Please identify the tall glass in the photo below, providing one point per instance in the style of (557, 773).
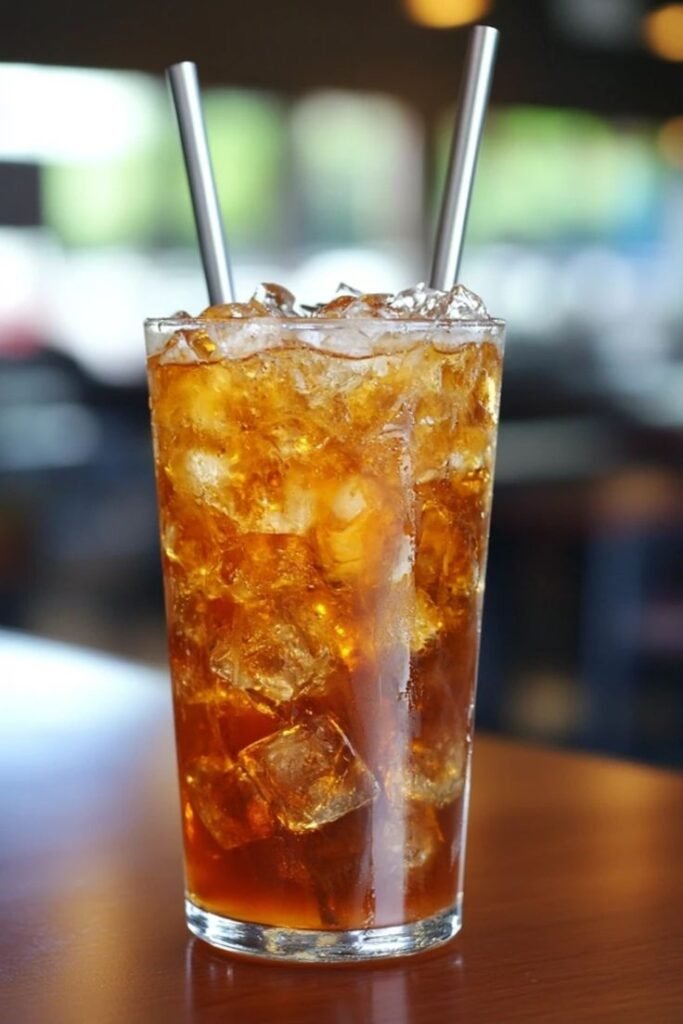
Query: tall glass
(324, 494)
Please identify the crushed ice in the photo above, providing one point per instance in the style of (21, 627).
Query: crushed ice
(419, 302)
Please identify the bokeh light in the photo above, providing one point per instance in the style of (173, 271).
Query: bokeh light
(670, 141)
(446, 13)
(663, 31)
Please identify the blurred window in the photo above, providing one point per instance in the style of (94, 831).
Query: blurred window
(358, 167)
(247, 132)
(558, 175)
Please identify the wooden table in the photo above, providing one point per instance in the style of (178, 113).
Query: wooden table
(574, 908)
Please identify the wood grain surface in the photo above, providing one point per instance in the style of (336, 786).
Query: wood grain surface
(573, 909)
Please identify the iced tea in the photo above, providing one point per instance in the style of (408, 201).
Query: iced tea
(324, 491)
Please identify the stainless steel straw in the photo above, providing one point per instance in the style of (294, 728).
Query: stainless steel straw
(469, 126)
(184, 84)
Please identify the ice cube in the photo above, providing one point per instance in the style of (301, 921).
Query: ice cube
(196, 556)
(411, 835)
(343, 297)
(455, 413)
(341, 871)
(450, 548)
(226, 718)
(429, 303)
(344, 534)
(334, 864)
(218, 479)
(434, 767)
(276, 299)
(208, 474)
(296, 433)
(227, 802)
(197, 399)
(427, 622)
(292, 513)
(326, 620)
(436, 770)
(277, 661)
(246, 481)
(434, 545)
(198, 727)
(462, 304)
(235, 310)
(337, 307)
(350, 499)
(213, 480)
(309, 774)
(371, 304)
(267, 652)
(350, 302)
(373, 403)
(272, 563)
(359, 530)
(420, 301)
(187, 621)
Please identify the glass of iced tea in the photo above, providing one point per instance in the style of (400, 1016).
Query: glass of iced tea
(324, 485)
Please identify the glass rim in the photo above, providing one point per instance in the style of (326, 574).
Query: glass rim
(398, 324)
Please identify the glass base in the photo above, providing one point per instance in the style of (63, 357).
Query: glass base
(272, 943)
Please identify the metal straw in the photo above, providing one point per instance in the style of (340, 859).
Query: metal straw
(184, 84)
(469, 126)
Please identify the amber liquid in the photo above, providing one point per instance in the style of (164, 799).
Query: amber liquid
(324, 524)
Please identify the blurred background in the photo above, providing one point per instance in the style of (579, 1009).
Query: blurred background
(329, 125)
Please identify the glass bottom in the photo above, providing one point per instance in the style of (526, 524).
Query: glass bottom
(308, 946)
